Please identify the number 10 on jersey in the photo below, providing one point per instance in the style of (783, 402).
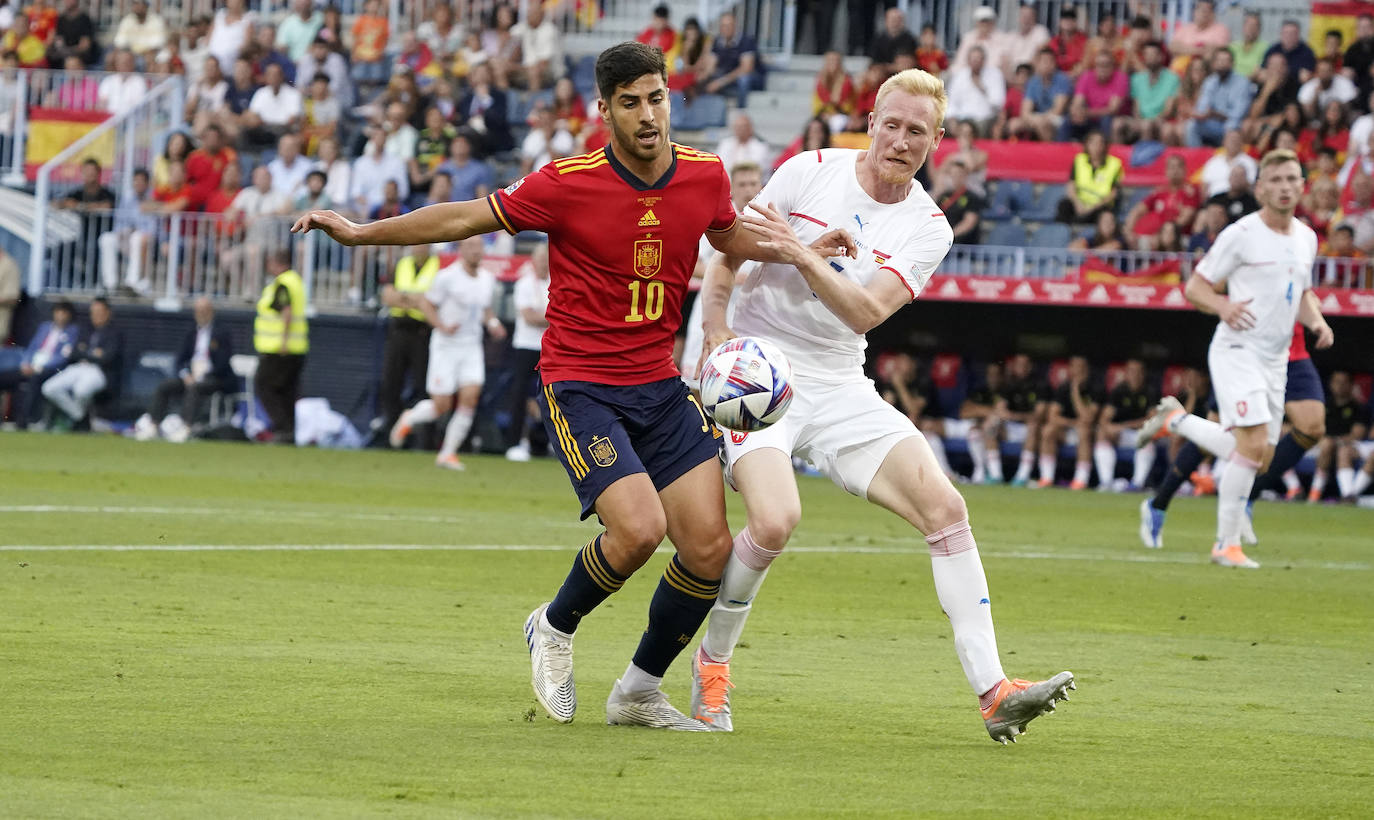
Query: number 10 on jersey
(653, 301)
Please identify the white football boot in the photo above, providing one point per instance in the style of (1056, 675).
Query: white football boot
(551, 667)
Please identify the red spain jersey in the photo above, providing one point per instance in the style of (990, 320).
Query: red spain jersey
(621, 252)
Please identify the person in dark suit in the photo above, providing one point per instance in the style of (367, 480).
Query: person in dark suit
(94, 367)
(24, 372)
(202, 370)
(482, 113)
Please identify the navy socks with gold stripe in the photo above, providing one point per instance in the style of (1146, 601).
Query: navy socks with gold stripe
(590, 582)
(679, 606)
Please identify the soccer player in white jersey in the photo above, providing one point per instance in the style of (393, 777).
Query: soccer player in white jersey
(458, 305)
(817, 312)
(1257, 279)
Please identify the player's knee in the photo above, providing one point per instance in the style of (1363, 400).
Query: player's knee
(944, 510)
(1309, 432)
(772, 530)
(640, 537)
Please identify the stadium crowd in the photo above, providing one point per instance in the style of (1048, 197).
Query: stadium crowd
(312, 111)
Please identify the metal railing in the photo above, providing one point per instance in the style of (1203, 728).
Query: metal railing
(137, 135)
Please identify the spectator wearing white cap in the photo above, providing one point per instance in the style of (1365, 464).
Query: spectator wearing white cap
(996, 44)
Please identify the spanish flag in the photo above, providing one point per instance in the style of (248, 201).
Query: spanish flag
(1337, 16)
(53, 129)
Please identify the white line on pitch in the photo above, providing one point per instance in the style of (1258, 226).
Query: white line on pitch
(1028, 554)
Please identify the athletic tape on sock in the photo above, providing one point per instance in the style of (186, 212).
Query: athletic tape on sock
(952, 540)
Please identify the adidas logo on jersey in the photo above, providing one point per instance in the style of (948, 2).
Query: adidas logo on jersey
(648, 220)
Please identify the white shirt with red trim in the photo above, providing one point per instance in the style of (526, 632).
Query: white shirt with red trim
(817, 191)
(1270, 271)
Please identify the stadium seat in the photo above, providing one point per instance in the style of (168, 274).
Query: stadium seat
(1364, 386)
(950, 378)
(706, 111)
(1010, 197)
(584, 76)
(1008, 234)
(1044, 206)
(1058, 371)
(1172, 382)
(1116, 371)
(1132, 197)
(1051, 235)
(224, 405)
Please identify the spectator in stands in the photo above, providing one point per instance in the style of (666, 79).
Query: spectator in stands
(174, 196)
(256, 208)
(443, 36)
(78, 90)
(1358, 147)
(660, 33)
(134, 228)
(1216, 172)
(1201, 37)
(195, 47)
(1074, 407)
(1094, 182)
(1107, 39)
(312, 195)
(568, 107)
(1173, 130)
(743, 145)
(1222, 105)
(1011, 107)
(545, 142)
(93, 367)
(299, 29)
(1045, 100)
(440, 189)
(322, 113)
(93, 201)
(371, 30)
(1326, 86)
(1123, 413)
(1099, 97)
(975, 159)
(1347, 421)
(1176, 202)
(482, 111)
(319, 59)
(1275, 91)
(202, 370)
(1357, 197)
(124, 89)
(833, 95)
(738, 69)
(1361, 223)
(238, 96)
(1140, 34)
(230, 31)
(994, 44)
(281, 337)
(961, 205)
(9, 293)
(895, 38)
(695, 61)
(1070, 44)
(1321, 207)
(220, 198)
(1021, 413)
(865, 98)
(205, 98)
(1347, 266)
(177, 149)
(372, 171)
(142, 32)
(1302, 60)
(76, 37)
(976, 91)
(332, 30)
(264, 52)
(276, 109)
(1025, 44)
(930, 56)
(1238, 198)
(541, 49)
(416, 56)
(338, 172)
(1210, 222)
(401, 136)
(1154, 92)
(391, 204)
(815, 135)
(1106, 235)
(288, 169)
(1330, 132)
(42, 19)
(27, 46)
(1249, 50)
(1359, 58)
(471, 177)
(47, 352)
(531, 299)
(431, 148)
(1169, 239)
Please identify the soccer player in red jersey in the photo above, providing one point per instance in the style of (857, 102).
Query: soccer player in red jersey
(623, 223)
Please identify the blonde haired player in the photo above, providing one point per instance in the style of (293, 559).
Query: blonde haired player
(1257, 279)
(817, 312)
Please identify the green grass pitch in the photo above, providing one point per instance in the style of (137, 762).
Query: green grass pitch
(348, 642)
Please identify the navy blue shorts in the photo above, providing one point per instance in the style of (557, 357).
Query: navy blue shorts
(603, 433)
(1304, 383)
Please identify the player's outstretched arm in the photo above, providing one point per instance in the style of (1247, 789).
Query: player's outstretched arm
(716, 287)
(1310, 315)
(444, 222)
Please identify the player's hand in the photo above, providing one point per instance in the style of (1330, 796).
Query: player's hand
(341, 230)
(774, 233)
(836, 242)
(714, 338)
(1237, 315)
(1325, 336)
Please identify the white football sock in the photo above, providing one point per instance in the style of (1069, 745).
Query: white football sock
(962, 589)
(1023, 468)
(978, 453)
(992, 453)
(1208, 435)
(1318, 483)
(937, 446)
(1047, 465)
(1233, 491)
(740, 583)
(636, 681)
(1345, 479)
(1105, 456)
(1082, 470)
(457, 430)
(1362, 482)
(1291, 481)
(423, 412)
(1144, 463)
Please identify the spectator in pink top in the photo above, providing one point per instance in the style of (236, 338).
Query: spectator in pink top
(1201, 36)
(1099, 95)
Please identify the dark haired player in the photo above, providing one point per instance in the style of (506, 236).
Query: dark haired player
(623, 223)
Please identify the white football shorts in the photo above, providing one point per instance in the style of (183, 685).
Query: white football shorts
(844, 429)
(1248, 389)
(453, 367)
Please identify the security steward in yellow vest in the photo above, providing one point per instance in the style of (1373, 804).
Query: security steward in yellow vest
(405, 357)
(281, 337)
(1094, 182)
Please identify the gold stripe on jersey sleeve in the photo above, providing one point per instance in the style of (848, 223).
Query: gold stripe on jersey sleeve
(500, 214)
(580, 159)
(568, 169)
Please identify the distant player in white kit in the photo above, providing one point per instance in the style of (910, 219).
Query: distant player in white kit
(458, 305)
(817, 312)
(1257, 279)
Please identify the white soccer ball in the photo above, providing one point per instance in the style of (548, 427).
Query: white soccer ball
(746, 384)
